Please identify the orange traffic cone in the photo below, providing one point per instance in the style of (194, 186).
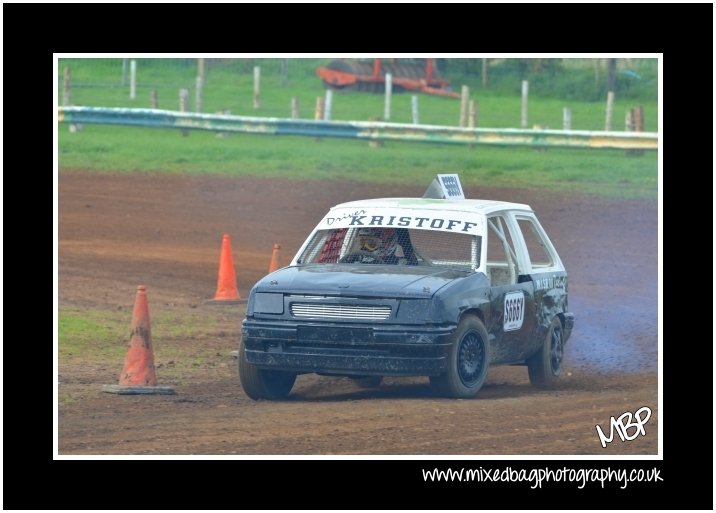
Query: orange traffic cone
(226, 291)
(138, 376)
(275, 258)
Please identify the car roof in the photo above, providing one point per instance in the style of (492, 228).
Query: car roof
(478, 206)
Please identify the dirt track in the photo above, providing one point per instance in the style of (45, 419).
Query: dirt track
(116, 231)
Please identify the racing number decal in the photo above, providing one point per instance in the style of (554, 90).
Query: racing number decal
(514, 310)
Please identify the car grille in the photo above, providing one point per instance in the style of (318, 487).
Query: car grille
(332, 311)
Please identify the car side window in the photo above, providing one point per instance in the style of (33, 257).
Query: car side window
(502, 264)
(537, 248)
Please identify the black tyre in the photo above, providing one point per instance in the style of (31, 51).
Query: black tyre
(468, 361)
(545, 366)
(262, 383)
(367, 381)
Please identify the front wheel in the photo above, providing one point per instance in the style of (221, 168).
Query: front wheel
(468, 361)
(545, 366)
(263, 383)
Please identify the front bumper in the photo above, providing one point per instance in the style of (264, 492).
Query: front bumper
(568, 325)
(346, 349)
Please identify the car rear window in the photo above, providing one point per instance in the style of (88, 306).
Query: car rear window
(393, 246)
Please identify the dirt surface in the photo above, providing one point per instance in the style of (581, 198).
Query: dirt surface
(119, 230)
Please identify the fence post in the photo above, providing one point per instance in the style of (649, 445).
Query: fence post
(66, 86)
(484, 72)
(638, 125)
(294, 107)
(154, 99)
(132, 79)
(222, 135)
(566, 118)
(200, 75)
(610, 111)
(414, 108)
(464, 99)
(198, 103)
(523, 112)
(123, 80)
(472, 114)
(388, 94)
(184, 105)
(319, 111)
(328, 105)
(257, 87)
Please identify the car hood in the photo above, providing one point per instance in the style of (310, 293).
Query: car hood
(359, 280)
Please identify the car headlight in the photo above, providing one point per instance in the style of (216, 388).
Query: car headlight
(415, 310)
(267, 302)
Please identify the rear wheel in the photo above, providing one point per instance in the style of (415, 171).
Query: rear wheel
(468, 361)
(545, 366)
(262, 383)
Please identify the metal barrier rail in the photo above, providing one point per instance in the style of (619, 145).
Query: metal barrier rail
(369, 130)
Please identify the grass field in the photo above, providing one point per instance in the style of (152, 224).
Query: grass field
(109, 148)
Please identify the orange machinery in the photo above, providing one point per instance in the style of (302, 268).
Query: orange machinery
(351, 74)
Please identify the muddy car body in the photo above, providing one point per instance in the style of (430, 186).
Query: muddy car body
(439, 286)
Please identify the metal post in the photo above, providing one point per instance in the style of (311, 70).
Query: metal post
(257, 87)
(566, 118)
(184, 105)
(132, 79)
(464, 99)
(610, 111)
(484, 72)
(388, 94)
(523, 112)
(123, 80)
(294, 107)
(284, 73)
(414, 108)
(154, 99)
(318, 116)
(328, 106)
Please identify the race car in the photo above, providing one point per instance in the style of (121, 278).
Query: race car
(438, 286)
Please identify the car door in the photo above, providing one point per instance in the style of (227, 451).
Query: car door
(512, 318)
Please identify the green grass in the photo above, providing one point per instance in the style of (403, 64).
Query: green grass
(229, 87)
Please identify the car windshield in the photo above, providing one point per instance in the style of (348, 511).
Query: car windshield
(393, 246)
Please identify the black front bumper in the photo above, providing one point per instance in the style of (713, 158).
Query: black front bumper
(330, 348)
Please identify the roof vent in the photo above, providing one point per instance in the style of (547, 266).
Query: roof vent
(445, 187)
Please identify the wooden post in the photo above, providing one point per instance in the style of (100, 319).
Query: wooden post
(464, 99)
(257, 87)
(484, 72)
(566, 118)
(523, 112)
(294, 107)
(319, 108)
(472, 114)
(638, 124)
(373, 143)
(123, 81)
(132, 79)
(198, 102)
(629, 121)
(319, 111)
(184, 105)
(597, 64)
(388, 95)
(639, 118)
(154, 99)
(328, 105)
(414, 108)
(66, 86)
(610, 111)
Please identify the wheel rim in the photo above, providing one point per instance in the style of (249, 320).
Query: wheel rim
(470, 358)
(556, 351)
